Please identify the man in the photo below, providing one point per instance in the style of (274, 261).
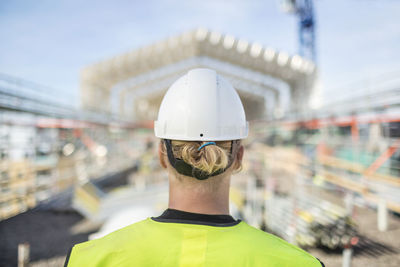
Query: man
(200, 122)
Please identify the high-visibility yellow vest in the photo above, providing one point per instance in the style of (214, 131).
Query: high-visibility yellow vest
(152, 243)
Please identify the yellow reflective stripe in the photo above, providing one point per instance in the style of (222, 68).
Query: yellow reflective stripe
(194, 245)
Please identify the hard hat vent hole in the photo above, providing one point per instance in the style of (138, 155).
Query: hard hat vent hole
(201, 135)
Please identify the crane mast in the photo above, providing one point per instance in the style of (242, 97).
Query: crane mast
(305, 12)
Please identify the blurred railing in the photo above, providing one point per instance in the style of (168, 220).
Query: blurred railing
(21, 95)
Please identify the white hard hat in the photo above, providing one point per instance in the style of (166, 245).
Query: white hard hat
(201, 106)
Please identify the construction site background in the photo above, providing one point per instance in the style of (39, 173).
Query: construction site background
(321, 173)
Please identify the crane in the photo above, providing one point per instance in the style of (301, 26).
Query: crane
(305, 12)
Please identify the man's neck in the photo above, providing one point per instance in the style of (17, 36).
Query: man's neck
(198, 199)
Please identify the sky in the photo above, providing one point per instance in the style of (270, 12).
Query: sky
(49, 41)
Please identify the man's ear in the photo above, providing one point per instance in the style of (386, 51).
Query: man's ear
(239, 154)
(161, 156)
(239, 158)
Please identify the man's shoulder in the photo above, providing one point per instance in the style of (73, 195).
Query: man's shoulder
(267, 244)
(118, 236)
(111, 244)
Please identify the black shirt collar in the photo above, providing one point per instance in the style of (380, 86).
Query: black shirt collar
(179, 216)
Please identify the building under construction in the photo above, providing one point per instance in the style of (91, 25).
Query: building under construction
(325, 178)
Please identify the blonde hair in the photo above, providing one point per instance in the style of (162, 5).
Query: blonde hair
(208, 159)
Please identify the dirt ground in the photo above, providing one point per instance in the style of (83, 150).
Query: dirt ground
(375, 248)
(47, 231)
